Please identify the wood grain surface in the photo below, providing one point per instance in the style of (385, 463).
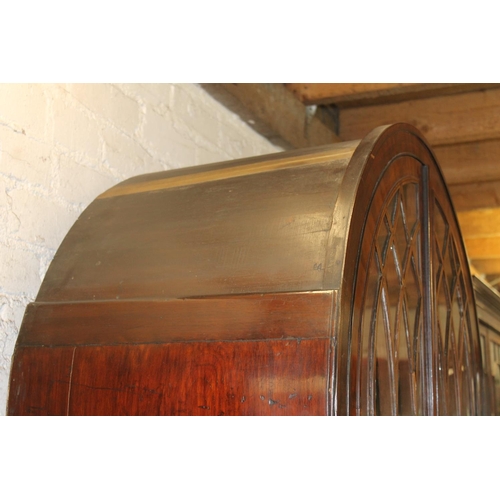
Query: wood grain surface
(467, 117)
(247, 317)
(273, 112)
(279, 377)
(363, 94)
(216, 378)
(40, 381)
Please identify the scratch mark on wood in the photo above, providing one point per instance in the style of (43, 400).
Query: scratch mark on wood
(70, 379)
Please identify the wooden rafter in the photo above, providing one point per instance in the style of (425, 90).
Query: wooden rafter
(482, 248)
(466, 117)
(275, 113)
(481, 231)
(480, 223)
(475, 195)
(470, 162)
(487, 266)
(362, 94)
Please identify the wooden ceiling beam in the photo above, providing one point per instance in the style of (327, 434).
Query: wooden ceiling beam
(487, 266)
(275, 113)
(481, 233)
(476, 195)
(362, 94)
(482, 248)
(465, 117)
(480, 223)
(470, 162)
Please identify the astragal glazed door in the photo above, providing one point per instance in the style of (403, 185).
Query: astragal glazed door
(413, 345)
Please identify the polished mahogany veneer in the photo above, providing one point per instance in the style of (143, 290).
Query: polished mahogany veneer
(324, 281)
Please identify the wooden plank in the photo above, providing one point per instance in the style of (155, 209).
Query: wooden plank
(467, 117)
(475, 195)
(326, 93)
(279, 377)
(275, 113)
(356, 94)
(247, 317)
(481, 233)
(480, 223)
(482, 248)
(470, 162)
(487, 266)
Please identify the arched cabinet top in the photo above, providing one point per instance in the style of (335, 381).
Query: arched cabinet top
(354, 248)
(259, 225)
(276, 223)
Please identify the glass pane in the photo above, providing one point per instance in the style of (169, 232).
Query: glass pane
(440, 229)
(400, 237)
(383, 237)
(365, 368)
(410, 199)
(384, 359)
(389, 369)
(454, 331)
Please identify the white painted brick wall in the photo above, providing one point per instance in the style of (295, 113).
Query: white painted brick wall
(62, 145)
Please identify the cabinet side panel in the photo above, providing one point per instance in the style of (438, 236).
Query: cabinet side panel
(40, 381)
(278, 377)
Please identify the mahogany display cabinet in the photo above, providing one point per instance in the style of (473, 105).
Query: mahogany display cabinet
(324, 281)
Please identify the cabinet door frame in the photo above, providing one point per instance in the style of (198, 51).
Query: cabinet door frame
(397, 155)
